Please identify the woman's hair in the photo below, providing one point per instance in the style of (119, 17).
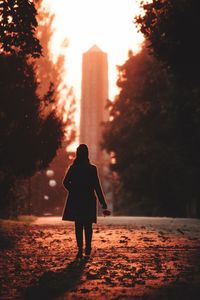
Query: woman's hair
(82, 154)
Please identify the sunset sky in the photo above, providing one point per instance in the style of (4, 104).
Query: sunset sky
(106, 23)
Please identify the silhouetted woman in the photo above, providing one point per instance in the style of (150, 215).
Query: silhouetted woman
(82, 182)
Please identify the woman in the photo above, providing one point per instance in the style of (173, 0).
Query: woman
(82, 182)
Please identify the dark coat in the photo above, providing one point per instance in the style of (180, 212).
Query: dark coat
(82, 182)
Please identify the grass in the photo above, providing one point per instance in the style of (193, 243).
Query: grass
(21, 218)
(26, 218)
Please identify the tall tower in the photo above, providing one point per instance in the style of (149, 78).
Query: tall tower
(93, 101)
(93, 112)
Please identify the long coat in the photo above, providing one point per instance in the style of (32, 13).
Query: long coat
(82, 183)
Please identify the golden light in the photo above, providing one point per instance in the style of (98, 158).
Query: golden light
(106, 23)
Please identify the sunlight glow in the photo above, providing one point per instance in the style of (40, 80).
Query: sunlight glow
(106, 23)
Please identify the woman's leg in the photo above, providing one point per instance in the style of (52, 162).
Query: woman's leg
(88, 237)
(79, 235)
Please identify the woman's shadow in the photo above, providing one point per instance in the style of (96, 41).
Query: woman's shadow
(53, 284)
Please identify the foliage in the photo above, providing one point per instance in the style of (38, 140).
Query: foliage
(27, 142)
(172, 28)
(50, 73)
(31, 131)
(154, 132)
(153, 153)
(17, 28)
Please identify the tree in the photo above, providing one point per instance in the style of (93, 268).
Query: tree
(50, 73)
(172, 28)
(17, 28)
(31, 132)
(144, 140)
(155, 120)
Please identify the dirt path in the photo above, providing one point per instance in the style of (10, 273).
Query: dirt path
(132, 259)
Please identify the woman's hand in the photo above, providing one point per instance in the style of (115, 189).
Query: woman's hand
(104, 206)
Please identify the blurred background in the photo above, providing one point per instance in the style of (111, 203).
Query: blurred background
(121, 76)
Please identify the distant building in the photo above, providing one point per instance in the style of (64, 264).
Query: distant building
(94, 95)
(93, 100)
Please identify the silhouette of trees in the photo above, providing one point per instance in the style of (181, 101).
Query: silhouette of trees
(17, 28)
(50, 73)
(154, 130)
(31, 130)
(172, 28)
(154, 153)
(138, 134)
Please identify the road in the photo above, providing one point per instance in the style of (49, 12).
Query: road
(132, 258)
(127, 220)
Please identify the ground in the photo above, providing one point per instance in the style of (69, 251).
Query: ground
(132, 258)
